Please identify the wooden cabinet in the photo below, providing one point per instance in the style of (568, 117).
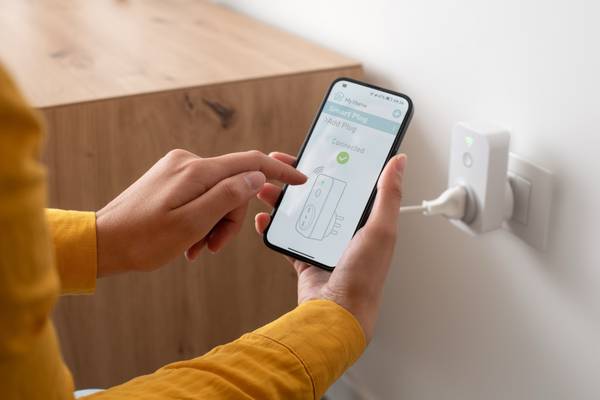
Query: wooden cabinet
(122, 83)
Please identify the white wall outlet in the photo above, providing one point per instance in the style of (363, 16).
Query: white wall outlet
(478, 162)
(532, 191)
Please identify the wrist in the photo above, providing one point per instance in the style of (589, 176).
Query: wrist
(354, 305)
(107, 254)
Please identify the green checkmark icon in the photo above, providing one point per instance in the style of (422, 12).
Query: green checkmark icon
(342, 157)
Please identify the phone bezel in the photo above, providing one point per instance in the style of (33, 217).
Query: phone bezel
(367, 210)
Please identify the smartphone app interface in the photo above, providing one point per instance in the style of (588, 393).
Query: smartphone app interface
(343, 158)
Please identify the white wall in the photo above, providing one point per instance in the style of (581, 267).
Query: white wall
(487, 317)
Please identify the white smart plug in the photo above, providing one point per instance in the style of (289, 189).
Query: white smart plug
(478, 163)
(481, 196)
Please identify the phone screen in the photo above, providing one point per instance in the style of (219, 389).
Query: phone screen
(358, 128)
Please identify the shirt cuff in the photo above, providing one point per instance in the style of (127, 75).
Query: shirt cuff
(325, 337)
(74, 238)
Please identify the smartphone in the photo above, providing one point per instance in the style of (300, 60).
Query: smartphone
(358, 128)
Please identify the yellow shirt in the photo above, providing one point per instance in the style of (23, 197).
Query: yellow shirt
(41, 252)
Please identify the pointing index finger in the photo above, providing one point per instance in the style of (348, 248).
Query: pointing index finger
(228, 165)
(284, 157)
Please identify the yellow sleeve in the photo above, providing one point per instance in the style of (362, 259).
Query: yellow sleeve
(297, 356)
(74, 237)
(30, 363)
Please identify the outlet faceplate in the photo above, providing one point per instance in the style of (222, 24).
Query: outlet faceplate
(532, 191)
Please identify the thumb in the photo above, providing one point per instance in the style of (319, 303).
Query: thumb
(225, 196)
(386, 208)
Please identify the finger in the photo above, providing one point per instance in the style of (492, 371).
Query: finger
(261, 221)
(204, 212)
(192, 253)
(219, 168)
(269, 194)
(226, 228)
(386, 208)
(283, 157)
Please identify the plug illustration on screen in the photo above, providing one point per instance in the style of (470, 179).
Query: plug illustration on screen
(318, 218)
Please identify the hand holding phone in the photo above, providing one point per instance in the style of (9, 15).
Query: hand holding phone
(357, 281)
(358, 128)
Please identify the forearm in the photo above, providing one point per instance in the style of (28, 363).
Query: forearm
(297, 356)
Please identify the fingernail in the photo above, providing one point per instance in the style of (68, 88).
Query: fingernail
(400, 163)
(255, 180)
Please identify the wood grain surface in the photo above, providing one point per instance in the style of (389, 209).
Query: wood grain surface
(65, 51)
